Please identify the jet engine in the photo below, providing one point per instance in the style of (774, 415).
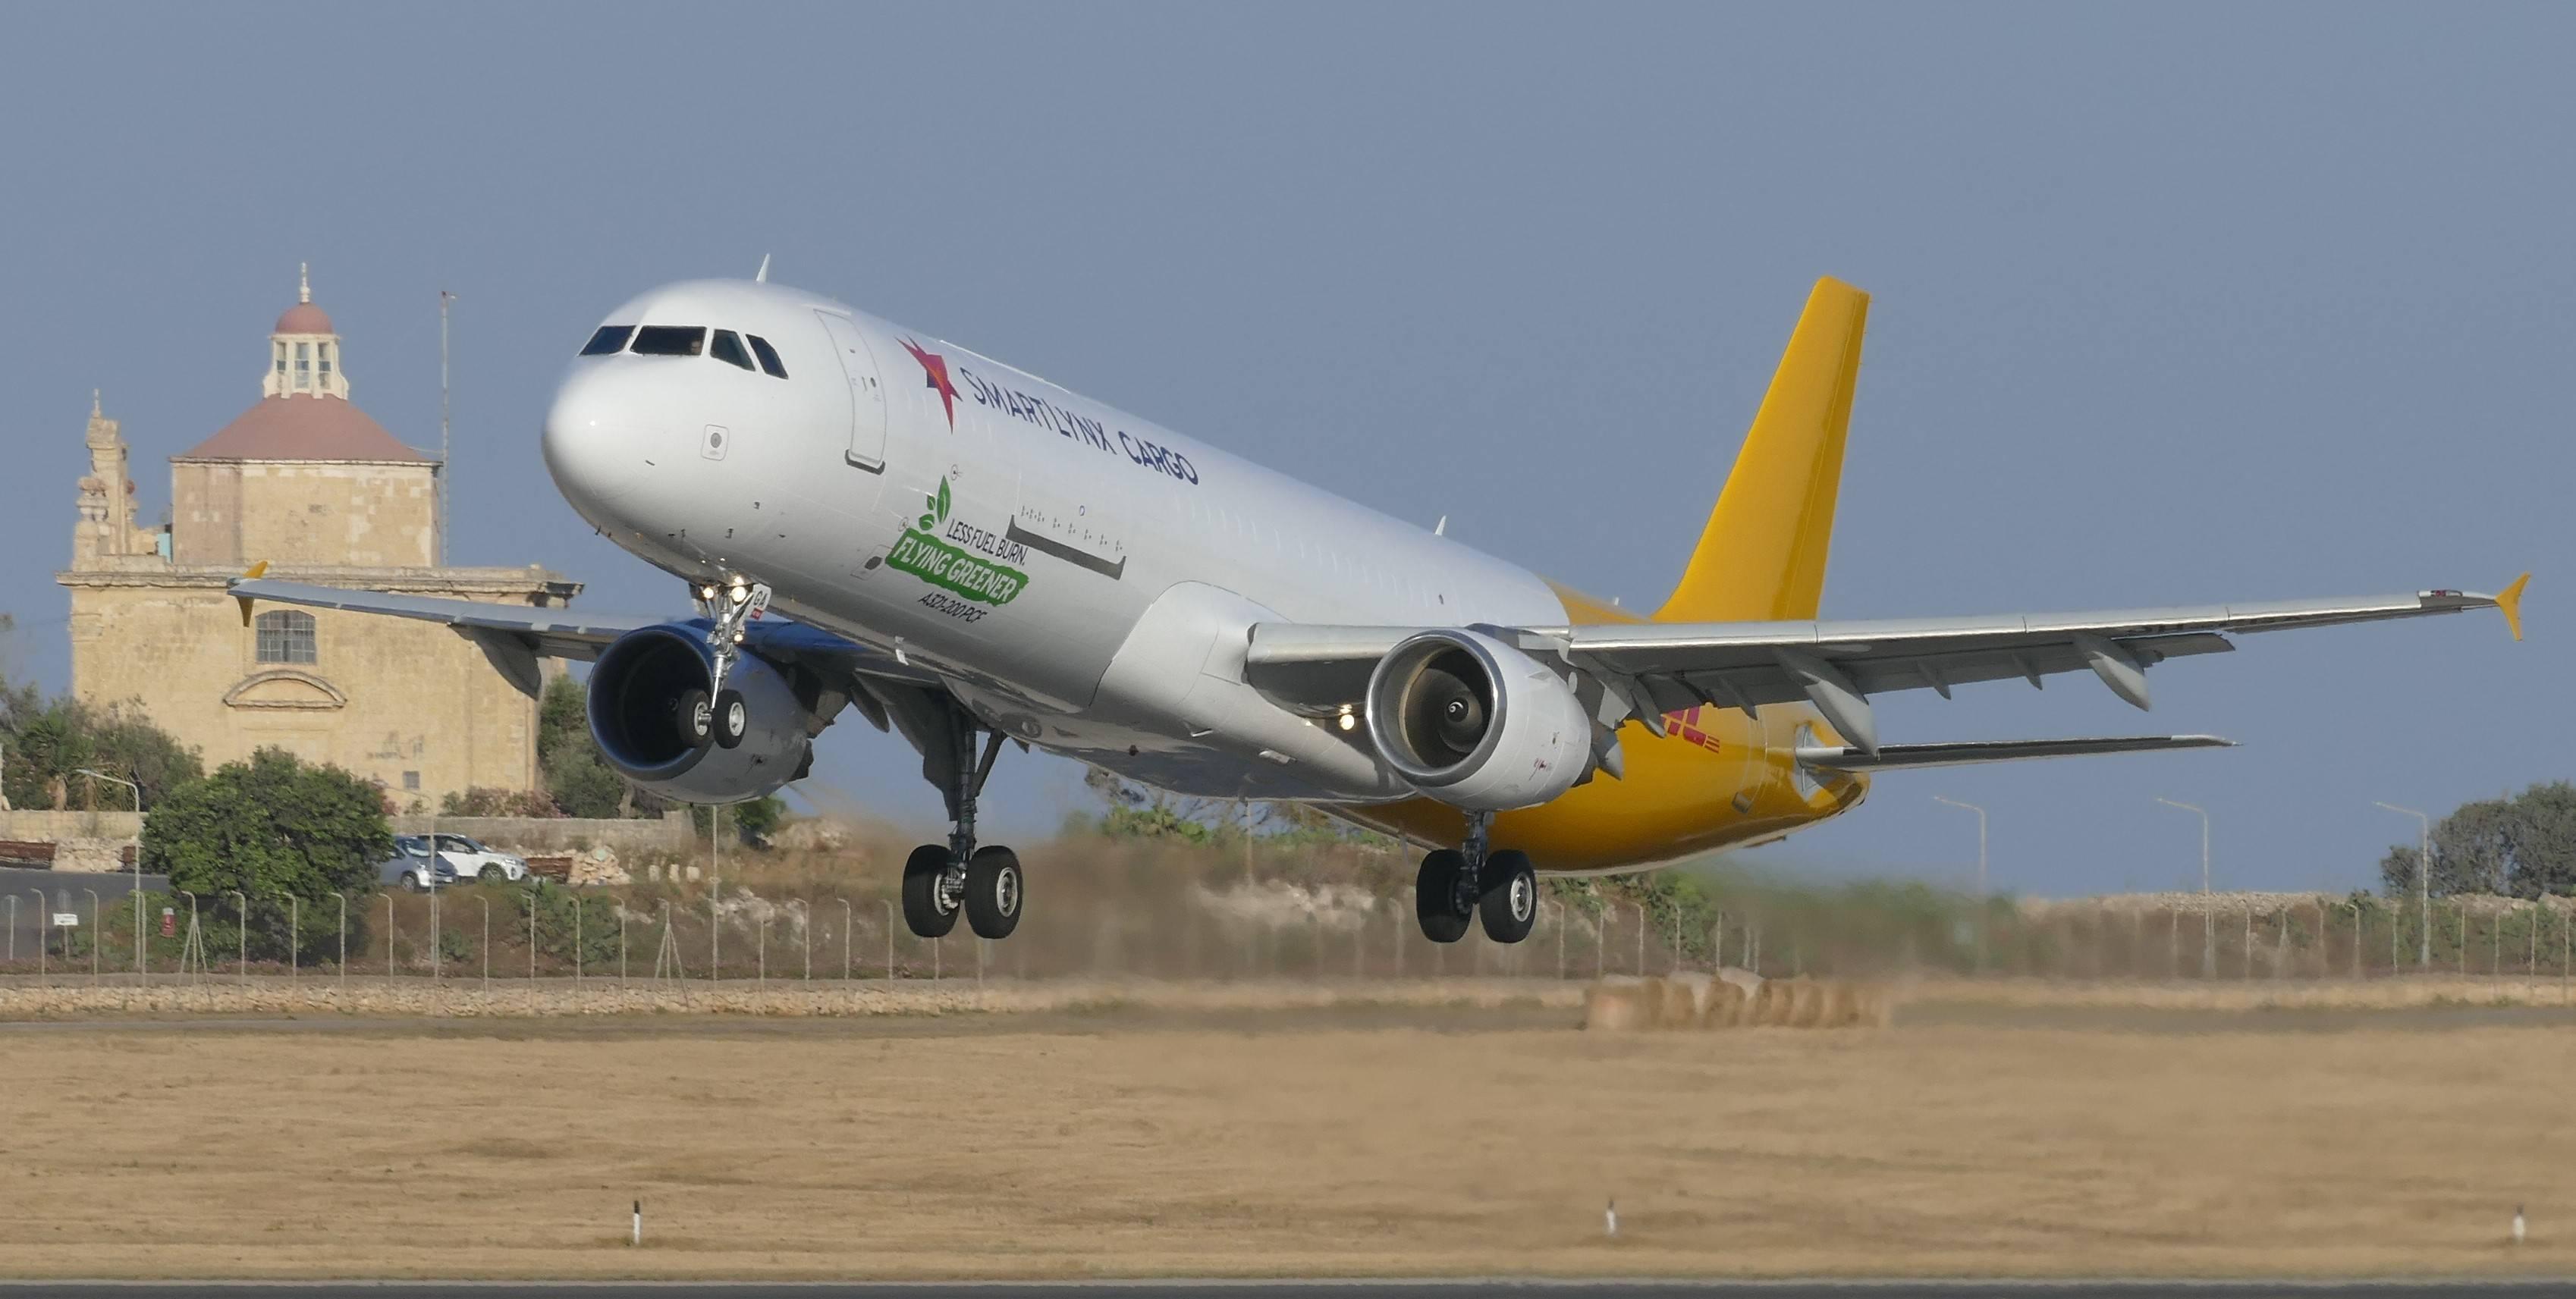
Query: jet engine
(1475, 723)
(652, 712)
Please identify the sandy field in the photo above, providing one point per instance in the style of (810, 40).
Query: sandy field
(1386, 1139)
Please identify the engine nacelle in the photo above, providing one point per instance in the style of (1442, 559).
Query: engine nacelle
(636, 697)
(1475, 723)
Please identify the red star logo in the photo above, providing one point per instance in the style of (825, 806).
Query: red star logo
(934, 368)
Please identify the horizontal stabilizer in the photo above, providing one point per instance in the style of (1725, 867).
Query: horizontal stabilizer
(1889, 756)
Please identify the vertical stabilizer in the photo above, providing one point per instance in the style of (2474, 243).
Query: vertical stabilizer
(1762, 556)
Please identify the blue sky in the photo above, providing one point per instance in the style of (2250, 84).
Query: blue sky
(2173, 304)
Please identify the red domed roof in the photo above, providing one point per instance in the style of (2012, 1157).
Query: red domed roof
(304, 318)
(304, 427)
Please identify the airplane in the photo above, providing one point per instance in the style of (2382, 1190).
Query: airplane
(872, 518)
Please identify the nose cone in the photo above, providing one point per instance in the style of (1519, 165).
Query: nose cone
(600, 437)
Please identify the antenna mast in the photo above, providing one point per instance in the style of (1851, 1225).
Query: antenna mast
(444, 298)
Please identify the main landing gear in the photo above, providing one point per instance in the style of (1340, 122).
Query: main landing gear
(1498, 888)
(940, 880)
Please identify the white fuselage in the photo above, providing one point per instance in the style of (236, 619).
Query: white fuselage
(1086, 577)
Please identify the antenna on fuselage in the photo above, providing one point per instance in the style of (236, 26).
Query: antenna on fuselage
(762, 275)
(1441, 529)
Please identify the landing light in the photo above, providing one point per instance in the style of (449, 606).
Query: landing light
(1347, 721)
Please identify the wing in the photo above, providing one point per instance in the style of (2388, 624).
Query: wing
(553, 633)
(513, 633)
(1649, 669)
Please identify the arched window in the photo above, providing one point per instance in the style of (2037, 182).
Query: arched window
(285, 636)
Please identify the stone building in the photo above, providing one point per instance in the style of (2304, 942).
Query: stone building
(307, 483)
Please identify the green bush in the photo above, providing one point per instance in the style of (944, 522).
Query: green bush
(264, 829)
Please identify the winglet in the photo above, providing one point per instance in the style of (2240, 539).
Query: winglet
(243, 600)
(2509, 601)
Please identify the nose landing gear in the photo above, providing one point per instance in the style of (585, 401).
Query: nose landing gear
(718, 713)
(1498, 888)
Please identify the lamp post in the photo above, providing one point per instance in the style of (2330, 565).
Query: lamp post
(2423, 881)
(1981, 874)
(139, 975)
(2208, 917)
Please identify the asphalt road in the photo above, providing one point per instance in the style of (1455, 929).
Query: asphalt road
(1568, 1289)
(60, 890)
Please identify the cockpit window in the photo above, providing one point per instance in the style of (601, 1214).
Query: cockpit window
(671, 340)
(768, 356)
(609, 339)
(728, 349)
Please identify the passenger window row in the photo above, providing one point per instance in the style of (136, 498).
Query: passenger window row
(687, 340)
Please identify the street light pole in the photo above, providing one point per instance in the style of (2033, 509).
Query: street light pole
(2423, 882)
(139, 976)
(2208, 917)
(1981, 874)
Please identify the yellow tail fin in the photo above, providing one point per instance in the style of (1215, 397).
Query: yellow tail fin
(1762, 556)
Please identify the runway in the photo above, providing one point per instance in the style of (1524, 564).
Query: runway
(1341, 1289)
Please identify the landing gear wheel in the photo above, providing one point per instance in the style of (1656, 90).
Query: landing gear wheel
(993, 892)
(732, 718)
(1435, 895)
(1510, 905)
(927, 908)
(695, 715)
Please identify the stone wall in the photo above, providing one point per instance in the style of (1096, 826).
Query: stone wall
(56, 827)
(633, 839)
(94, 841)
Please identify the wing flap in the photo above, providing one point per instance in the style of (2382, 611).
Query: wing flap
(1891, 757)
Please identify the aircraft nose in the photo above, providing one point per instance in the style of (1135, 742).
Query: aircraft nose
(599, 436)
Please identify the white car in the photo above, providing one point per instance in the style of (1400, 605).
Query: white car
(472, 862)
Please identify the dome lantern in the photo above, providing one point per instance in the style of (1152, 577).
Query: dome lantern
(304, 350)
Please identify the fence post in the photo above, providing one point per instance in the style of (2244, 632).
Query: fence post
(1560, 942)
(2356, 942)
(344, 937)
(93, 936)
(1397, 946)
(389, 931)
(294, 937)
(43, 919)
(806, 923)
(487, 944)
(621, 947)
(244, 943)
(1641, 938)
(532, 942)
(889, 908)
(845, 940)
(576, 943)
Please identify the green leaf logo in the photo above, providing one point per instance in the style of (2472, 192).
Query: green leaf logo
(938, 509)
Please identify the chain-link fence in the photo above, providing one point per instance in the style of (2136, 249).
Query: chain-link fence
(1260, 931)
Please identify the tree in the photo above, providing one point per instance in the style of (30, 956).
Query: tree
(49, 740)
(268, 827)
(2523, 845)
(752, 821)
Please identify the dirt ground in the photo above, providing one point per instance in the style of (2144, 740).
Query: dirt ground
(1376, 1141)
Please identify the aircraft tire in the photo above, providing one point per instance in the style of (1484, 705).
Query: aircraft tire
(923, 911)
(993, 892)
(1510, 905)
(695, 715)
(1435, 895)
(732, 719)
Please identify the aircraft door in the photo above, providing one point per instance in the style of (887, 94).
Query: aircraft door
(867, 396)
